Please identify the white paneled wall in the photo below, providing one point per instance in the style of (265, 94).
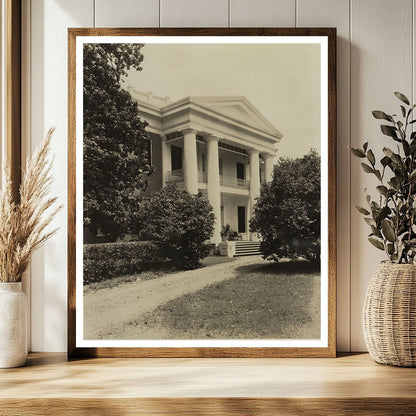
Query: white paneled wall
(127, 13)
(375, 58)
(193, 13)
(266, 13)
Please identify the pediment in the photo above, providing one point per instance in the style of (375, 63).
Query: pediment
(161, 113)
(238, 109)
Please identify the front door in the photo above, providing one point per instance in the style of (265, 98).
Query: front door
(241, 218)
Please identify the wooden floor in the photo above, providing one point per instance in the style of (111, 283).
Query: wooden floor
(347, 385)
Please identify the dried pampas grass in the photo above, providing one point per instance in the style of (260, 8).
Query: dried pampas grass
(24, 225)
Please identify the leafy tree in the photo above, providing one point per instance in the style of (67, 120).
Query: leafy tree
(180, 223)
(116, 162)
(287, 213)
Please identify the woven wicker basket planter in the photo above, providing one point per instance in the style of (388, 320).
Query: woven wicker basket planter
(390, 315)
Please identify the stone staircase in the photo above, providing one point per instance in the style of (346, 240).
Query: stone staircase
(247, 248)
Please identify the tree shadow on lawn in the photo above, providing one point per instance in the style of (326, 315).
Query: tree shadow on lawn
(263, 301)
(284, 266)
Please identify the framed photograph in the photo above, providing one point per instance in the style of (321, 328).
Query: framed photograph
(201, 206)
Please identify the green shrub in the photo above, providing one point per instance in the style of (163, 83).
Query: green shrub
(109, 260)
(180, 223)
(287, 213)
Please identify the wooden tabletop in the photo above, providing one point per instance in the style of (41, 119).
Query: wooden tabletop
(349, 384)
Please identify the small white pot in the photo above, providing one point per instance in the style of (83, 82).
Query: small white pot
(13, 325)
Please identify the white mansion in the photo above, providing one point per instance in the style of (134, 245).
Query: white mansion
(220, 146)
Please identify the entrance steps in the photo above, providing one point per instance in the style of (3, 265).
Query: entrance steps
(247, 248)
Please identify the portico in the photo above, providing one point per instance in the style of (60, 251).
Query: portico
(219, 146)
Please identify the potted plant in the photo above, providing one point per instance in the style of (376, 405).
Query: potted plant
(389, 317)
(225, 233)
(228, 234)
(23, 229)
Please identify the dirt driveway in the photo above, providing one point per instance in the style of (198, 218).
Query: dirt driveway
(108, 310)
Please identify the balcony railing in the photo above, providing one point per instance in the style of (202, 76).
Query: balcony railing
(234, 182)
(177, 176)
(202, 177)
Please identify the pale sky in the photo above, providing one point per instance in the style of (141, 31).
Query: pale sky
(281, 80)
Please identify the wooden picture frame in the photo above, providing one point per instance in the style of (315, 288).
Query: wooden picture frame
(11, 42)
(325, 38)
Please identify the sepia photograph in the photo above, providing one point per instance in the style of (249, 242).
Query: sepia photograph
(203, 218)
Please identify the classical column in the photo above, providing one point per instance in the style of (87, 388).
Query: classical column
(213, 185)
(190, 166)
(268, 166)
(166, 159)
(254, 175)
(254, 182)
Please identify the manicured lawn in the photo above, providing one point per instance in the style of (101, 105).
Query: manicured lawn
(265, 300)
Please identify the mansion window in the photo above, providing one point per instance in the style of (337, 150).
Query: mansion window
(204, 162)
(262, 171)
(176, 157)
(241, 171)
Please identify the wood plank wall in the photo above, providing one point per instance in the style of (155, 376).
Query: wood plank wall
(375, 58)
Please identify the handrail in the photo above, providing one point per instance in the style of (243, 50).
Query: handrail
(177, 176)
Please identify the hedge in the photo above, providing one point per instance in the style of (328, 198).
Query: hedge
(109, 260)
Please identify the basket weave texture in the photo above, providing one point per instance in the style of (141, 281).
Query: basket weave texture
(389, 317)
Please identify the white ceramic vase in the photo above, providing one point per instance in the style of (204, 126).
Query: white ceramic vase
(13, 325)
